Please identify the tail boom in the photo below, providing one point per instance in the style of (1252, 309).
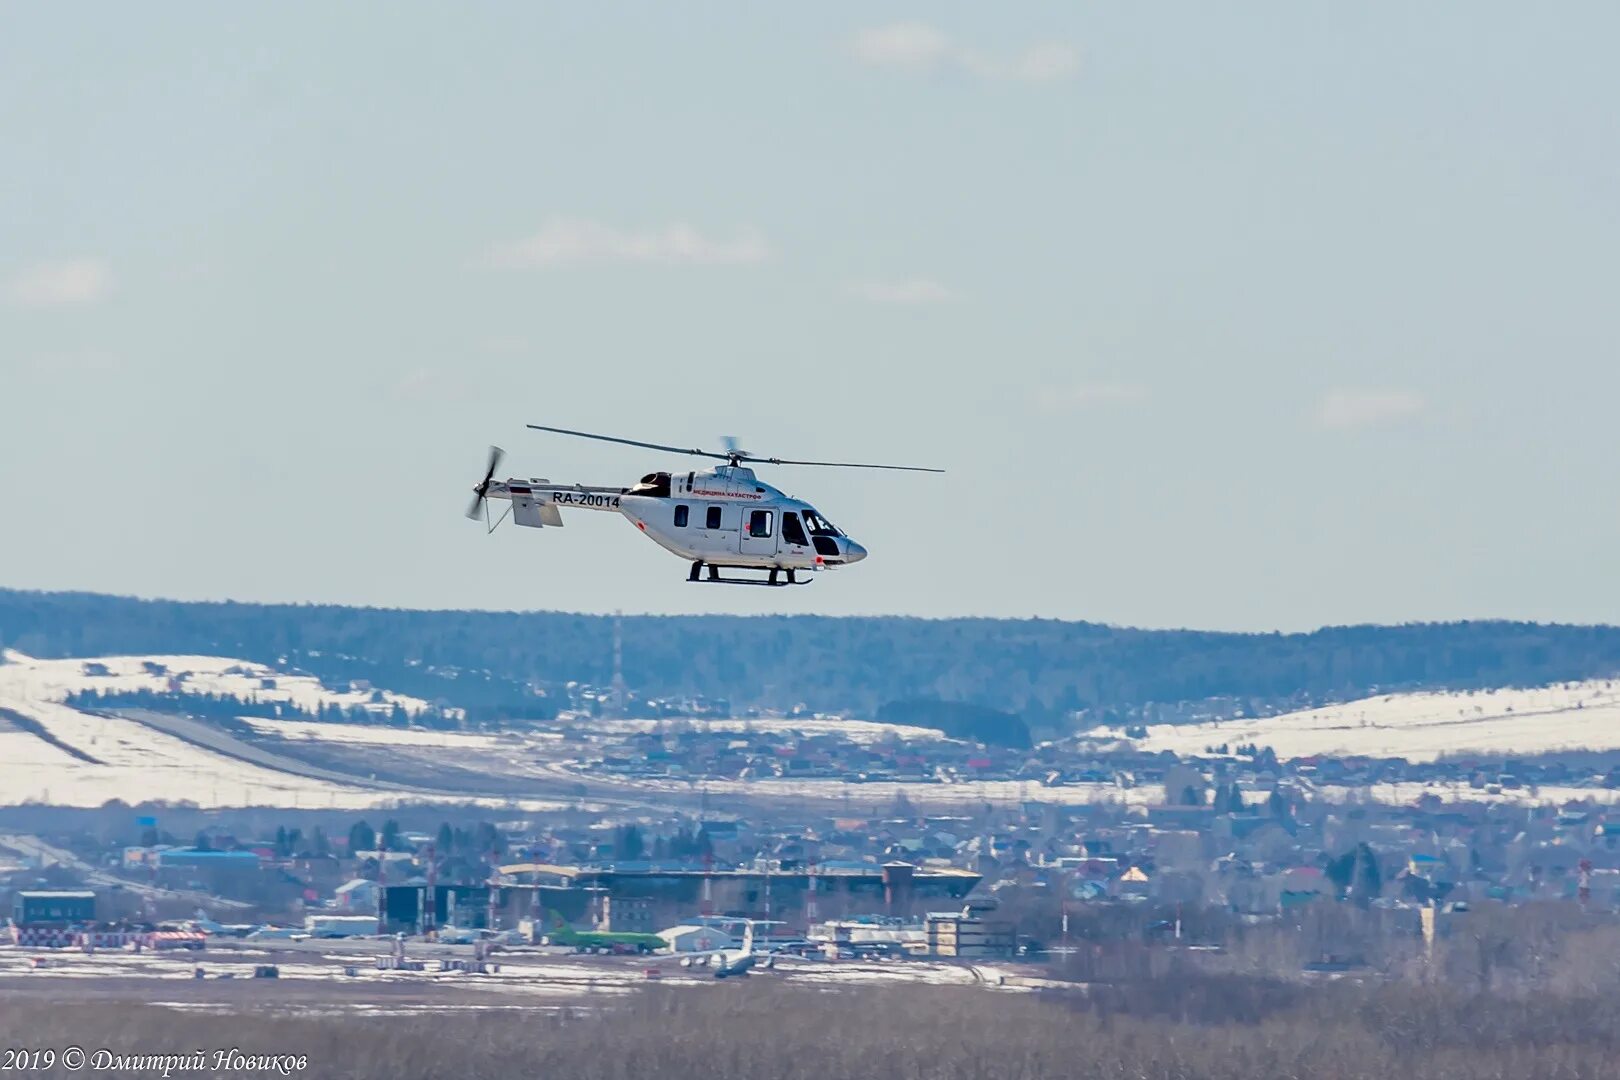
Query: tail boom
(537, 503)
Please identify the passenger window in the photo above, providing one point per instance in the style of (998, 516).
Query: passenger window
(713, 521)
(681, 512)
(792, 531)
(759, 524)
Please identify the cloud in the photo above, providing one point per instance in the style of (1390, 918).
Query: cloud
(918, 47)
(60, 284)
(1076, 396)
(579, 242)
(1348, 409)
(905, 291)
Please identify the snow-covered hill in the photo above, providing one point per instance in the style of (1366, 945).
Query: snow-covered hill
(54, 680)
(88, 758)
(115, 758)
(85, 759)
(1421, 726)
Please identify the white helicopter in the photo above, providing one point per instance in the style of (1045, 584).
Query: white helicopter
(722, 518)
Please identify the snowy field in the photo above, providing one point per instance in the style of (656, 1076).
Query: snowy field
(1408, 793)
(53, 680)
(136, 763)
(1421, 726)
(318, 982)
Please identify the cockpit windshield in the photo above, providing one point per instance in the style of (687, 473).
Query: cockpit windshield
(653, 484)
(818, 525)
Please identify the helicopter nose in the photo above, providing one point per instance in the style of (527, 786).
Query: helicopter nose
(853, 552)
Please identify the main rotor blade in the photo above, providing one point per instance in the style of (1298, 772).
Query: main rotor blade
(841, 464)
(734, 455)
(633, 442)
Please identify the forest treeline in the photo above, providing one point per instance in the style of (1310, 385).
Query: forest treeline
(1046, 670)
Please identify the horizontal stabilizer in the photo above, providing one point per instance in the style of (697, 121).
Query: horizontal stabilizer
(527, 511)
(535, 511)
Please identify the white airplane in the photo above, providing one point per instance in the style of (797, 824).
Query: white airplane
(732, 963)
(722, 518)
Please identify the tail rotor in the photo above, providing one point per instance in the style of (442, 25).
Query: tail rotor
(476, 509)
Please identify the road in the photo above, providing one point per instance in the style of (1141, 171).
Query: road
(369, 768)
(48, 854)
(559, 785)
(206, 735)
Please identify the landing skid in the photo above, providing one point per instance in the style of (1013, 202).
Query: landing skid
(773, 581)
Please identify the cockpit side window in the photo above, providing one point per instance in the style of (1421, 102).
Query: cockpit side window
(792, 531)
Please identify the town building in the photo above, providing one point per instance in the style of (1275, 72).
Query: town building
(968, 933)
(53, 908)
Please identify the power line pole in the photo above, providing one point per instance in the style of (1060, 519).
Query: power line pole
(618, 689)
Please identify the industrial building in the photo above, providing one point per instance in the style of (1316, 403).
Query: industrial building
(407, 908)
(792, 894)
(641, 898)
(625, 915)
(968, 933)
(908, 934)
(53, 908)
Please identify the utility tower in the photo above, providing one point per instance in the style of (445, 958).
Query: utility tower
(812, 913)
(620, 694)
(428, 914)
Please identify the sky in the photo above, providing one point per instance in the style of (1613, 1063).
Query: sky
(1260, 317)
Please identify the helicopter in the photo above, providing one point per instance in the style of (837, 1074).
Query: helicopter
(720, 518)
